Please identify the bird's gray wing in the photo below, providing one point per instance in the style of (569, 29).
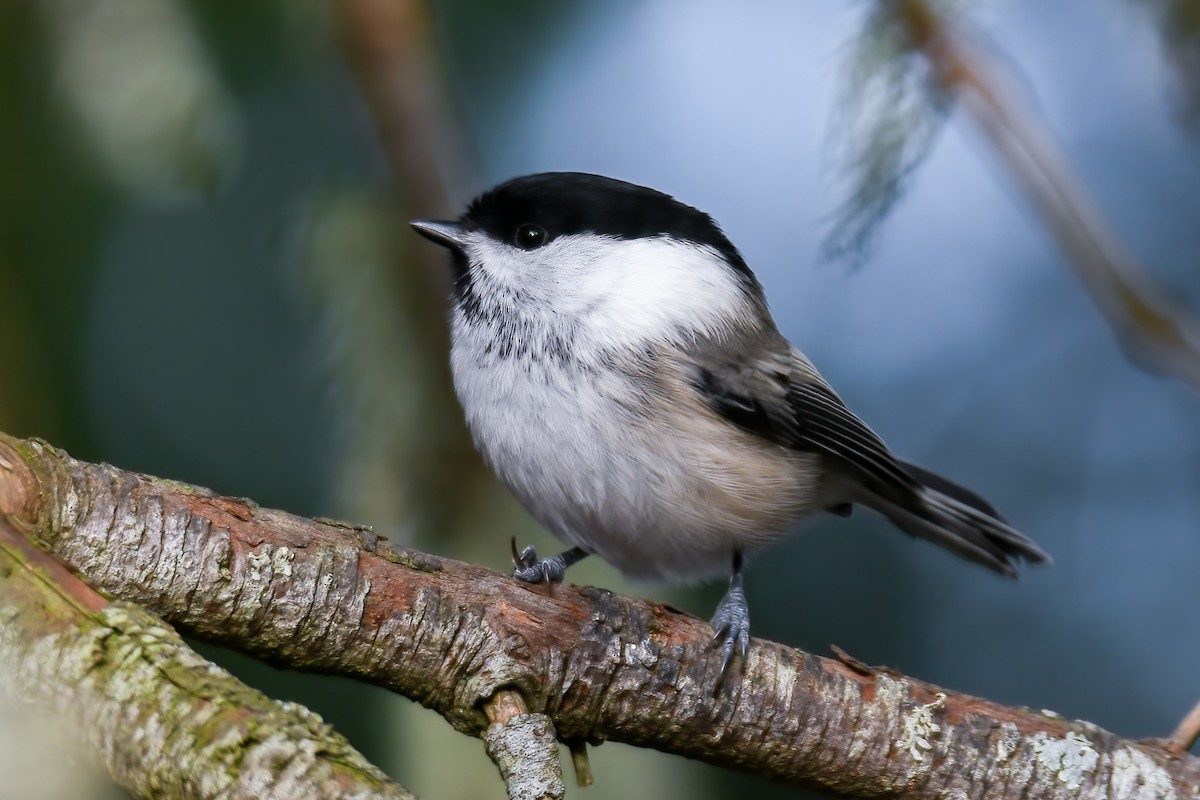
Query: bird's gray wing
(781, 397)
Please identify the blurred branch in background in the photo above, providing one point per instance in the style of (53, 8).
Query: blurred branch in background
(391, 46)
(388, 42)
(484, 650)
(889, 131)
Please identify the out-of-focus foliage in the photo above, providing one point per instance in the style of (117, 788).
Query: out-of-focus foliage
(890, 110)
(345, 259)
(144, 94)
(1178, 23)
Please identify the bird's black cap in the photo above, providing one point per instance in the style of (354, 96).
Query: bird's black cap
(578, 202)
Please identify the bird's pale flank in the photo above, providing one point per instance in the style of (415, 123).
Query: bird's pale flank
(620, 372)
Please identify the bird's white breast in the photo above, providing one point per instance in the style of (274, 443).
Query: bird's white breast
(602, 439)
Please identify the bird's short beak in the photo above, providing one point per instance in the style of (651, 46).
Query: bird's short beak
(447, 234)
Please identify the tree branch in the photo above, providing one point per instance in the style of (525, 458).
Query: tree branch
(1153, 329)
(164, 721)
(524, 748)
(1186, 732)
(331, 598)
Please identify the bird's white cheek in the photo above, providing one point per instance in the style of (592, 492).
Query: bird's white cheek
(534, 280)
(497, 263)
(649, 290)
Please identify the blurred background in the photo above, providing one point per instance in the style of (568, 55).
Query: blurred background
(205, 274)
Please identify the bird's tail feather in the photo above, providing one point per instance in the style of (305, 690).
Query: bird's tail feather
(960, 521)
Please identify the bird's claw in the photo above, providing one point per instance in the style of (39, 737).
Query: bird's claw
(529, 568)
(731, 627)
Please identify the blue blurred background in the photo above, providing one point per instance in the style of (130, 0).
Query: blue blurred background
(205, 274)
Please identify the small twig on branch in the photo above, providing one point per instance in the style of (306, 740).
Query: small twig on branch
(580, 761)
(524, 748)
(391, 46)
(1155, 332)
(165, 722)
(1186, 733)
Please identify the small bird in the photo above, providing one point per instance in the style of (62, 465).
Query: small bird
(620, 372)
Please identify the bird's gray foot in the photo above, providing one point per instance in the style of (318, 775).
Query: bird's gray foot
(731, 622)
(529, 568)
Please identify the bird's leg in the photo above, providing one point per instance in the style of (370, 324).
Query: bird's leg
(731, 622)
(531, 569)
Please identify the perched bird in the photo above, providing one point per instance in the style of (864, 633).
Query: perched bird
(620, 372)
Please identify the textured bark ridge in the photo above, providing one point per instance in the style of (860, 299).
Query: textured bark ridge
(164, 721)
(333, 598)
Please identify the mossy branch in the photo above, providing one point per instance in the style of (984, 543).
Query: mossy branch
(164, 722)
(318, 596)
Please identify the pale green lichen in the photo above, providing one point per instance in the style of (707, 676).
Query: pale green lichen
(1007, 740)
(1071, 758)
(258, 562)
(1136, 776)
(642, 653)
(69, 516)
(919, 728)
(270, 562)
(221, 557)
(891, 696)
(281, 562)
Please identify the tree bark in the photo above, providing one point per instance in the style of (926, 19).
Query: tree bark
(329, 597)
(161, 719)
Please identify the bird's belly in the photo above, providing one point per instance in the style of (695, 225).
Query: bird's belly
(657, 499)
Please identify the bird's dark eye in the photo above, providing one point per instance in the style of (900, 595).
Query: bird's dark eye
(531, 237)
